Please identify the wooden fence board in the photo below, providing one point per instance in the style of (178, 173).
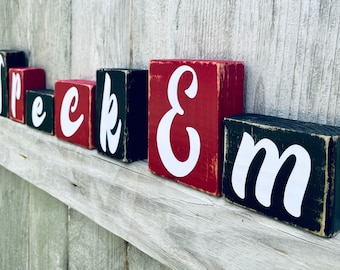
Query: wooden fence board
(49, 38)
(290, 48)
(38, 231)
(92, 247)
(13, 27)
(184, 228)
(14, 213)
(48, 231)
(100, 37)
(43, 30)
(138, 260)
(291, 52)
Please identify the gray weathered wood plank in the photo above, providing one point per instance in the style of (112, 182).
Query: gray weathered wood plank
(100, 37)
(13, 27)
(291, 52)
(92, 247)
(43, 30)
(138, 260)
(176, 225)
(290, 48)
(14, 214)
(48, 231)
(49, 37)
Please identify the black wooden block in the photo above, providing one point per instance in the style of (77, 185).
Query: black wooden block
(285, 169)
(40, 109)
(121, 113)
(8, 59)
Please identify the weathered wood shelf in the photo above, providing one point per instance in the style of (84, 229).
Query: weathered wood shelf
(181, 227)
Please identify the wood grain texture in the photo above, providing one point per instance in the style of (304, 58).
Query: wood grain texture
(47, 231)
(153, 26)
(38, 231)
(137, 260)
(92, 247)
(49, 37)
(290, 48)
(100, 37)
(41, 29)
(181, 29)
(14, 213)
(291, 52)
(13, 27)
(180, 227)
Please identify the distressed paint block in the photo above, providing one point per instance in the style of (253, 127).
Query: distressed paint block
(40, 109)
(74, 102)
(187, 102)
(121, 113)
(285, 169)
(8, 59)
(21, 80)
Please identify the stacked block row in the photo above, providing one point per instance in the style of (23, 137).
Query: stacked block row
(186, 117)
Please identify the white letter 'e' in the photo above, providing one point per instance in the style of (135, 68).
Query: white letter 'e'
(38, 113)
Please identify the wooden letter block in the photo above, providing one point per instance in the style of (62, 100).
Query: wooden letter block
(285, 169)
(75, 111)
(40, 109)
(187, 102)
(21, 80)
(8, 59)
(121, 113)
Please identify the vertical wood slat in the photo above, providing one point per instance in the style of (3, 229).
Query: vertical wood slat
(14, 215)
(43, 30)
(13, 27)
(290, 72)
(92, 247)
(47, 227)
(100, 37)
(38, 231)
(138, 260)
(290, 48)
(49, 36)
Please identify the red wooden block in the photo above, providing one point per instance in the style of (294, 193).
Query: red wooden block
(21, 80)
(188, 100)
(75, 111)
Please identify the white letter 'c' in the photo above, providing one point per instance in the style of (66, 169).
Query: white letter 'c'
(69, 127)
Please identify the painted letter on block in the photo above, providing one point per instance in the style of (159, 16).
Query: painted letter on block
(110, 126)
(40, 109)
(21, 80)
(272, 163)
(285, 169)
(8, 59)
(121, 113)
(177, 167)
(74, 111)
(187, 102)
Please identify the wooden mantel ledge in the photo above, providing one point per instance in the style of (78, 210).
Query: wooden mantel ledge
(178, 226)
